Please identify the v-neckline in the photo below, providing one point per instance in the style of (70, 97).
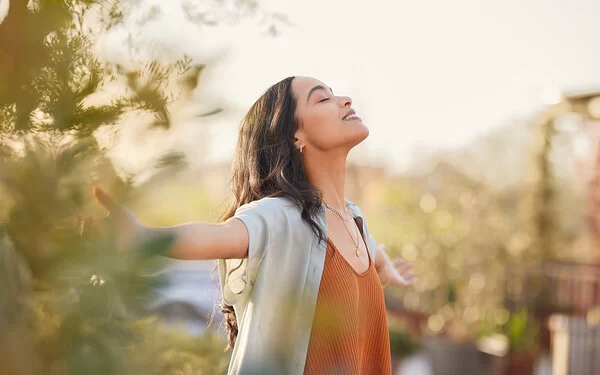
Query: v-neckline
(346, 260)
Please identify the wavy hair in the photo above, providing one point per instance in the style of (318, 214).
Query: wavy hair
(267, 164)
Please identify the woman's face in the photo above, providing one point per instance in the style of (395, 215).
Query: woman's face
(327, 121)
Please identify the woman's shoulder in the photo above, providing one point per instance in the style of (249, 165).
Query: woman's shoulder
(354, 209)
(272, 205)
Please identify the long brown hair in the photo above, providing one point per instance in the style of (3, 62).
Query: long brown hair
(267, 164)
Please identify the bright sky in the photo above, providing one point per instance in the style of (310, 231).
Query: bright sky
(437, 73)
(422, 74)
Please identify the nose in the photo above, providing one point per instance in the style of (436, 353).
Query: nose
(346, 101)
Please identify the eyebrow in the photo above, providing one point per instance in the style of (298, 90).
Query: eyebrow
(318, 87)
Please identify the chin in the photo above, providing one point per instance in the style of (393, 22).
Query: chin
(363, 133)
(360, 136)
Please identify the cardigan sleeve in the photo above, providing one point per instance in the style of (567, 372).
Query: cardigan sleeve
(371, 243)
(261, 219)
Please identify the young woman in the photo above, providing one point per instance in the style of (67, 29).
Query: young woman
(301, 277)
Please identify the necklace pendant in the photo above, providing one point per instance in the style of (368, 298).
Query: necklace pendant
(357, 252)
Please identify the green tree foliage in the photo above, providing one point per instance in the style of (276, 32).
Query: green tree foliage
(70, 304)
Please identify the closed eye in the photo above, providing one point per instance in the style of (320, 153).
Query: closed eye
(322, 100)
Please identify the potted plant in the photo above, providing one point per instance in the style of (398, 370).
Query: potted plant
(522, 333)
(513, 343)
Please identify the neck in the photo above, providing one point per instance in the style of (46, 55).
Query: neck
(328, 175)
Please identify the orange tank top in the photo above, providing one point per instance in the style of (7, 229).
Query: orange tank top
(349, 332)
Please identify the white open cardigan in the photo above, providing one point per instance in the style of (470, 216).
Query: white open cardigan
(274, 291)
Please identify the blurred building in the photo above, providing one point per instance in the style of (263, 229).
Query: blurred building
(190, 296)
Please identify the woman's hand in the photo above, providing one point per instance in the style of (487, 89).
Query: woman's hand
(120, 223)
(398, 272)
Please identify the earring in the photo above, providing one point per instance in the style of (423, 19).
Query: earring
(301, 147)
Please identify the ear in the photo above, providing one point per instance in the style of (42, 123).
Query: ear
(298, 140)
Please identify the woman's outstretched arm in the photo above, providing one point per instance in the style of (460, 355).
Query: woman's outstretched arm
(195, 240)
(199, 240)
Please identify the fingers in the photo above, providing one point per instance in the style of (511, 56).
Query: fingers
(406, 270)
(398, 262)
(402, 265)
(402, 281)
(405, 273)
(104, 199)
(405, 279)
(403, 268)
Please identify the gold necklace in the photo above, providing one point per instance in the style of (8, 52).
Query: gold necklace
(338, 212)
(357, 250)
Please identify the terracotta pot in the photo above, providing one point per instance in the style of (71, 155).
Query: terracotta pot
(521, 363)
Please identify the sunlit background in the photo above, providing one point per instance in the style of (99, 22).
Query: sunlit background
(481, 167)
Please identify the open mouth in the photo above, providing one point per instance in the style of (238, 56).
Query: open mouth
(351, 115)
